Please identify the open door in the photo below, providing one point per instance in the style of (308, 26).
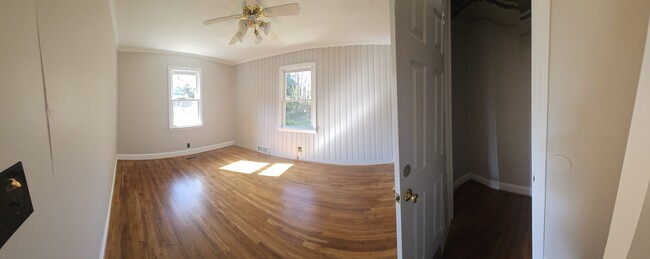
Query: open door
(418, 28)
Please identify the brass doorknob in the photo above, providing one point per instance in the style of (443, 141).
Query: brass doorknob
(410, 196)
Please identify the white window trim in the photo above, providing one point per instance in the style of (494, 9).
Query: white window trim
(170, 87)
(311, 66)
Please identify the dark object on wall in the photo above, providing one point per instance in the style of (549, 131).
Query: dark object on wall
(15, 202)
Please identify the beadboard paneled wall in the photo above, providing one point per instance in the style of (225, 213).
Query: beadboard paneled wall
(353, 106)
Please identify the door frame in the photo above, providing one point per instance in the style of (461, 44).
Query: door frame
(449, 145)
(540, 56)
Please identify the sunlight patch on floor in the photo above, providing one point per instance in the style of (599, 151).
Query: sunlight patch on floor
(244, 167)
(276, 169)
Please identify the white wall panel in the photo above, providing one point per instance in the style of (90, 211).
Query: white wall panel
(353, 106)
(59, 102)
(629, 233)
(143, 104)
(593, 76)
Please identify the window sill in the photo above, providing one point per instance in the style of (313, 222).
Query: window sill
(298, 130)
(186, 127)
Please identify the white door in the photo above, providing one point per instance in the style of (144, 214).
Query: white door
(417, 37)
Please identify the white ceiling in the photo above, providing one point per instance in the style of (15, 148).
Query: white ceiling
(176, 26)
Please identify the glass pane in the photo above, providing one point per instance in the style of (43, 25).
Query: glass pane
(184, 86)
(186, 113)
(298, 85)
(298, 114)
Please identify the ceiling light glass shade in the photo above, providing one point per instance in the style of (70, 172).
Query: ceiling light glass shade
(258, 37)
(265, 27)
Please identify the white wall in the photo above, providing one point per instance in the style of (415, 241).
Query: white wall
(461, 102)
(521, 142)
(144, 109)
(353, 106)
(71, 191)
(491, 84)
(23, 132)
(595, 58)
(639, 248)
(513, 109)
(630, 208)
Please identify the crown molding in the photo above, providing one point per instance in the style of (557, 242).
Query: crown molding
(126, 49)
(317, 46)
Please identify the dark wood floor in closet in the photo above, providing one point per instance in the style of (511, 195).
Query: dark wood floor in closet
(489, 224)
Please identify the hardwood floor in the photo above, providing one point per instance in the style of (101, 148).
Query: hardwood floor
(188, 207)
(489, 224)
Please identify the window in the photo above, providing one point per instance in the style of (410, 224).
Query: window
(184, 97)
(298, 104)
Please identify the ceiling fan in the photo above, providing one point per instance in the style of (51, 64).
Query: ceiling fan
(255, 17)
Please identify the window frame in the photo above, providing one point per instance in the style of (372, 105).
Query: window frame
(283, 70)
(171, 70)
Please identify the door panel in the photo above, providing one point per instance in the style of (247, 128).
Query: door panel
(418, 110)
(439, 23)
(420, 151)
(418, 17)
(438, 117)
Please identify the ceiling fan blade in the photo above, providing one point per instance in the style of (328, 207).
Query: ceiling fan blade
(233, 40)
(241, 32)
(283, 10)
(221, 19)
(272, 36)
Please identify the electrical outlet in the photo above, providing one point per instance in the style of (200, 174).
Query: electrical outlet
(188, 145)
(299, 149)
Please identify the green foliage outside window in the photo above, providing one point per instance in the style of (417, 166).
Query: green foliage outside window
(298, 99)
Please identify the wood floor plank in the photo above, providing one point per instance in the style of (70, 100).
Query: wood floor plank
(489, 224)
(188, 207)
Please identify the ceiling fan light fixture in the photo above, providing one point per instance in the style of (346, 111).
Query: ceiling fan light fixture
(252, 17)
(265, 27)
(253, 10)
(258, 37)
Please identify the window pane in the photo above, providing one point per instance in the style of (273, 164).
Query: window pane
(298, 85)
(184, 86)
(298, 114)
(186, 113)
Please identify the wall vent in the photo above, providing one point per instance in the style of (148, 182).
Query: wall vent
(263, 149)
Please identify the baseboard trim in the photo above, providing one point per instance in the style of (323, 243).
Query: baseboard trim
(462, 180)
(331, 162)
(102, 252)
(323, 161)
(523, 190)
(507, 187)
(489, 183)
(173, 153)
